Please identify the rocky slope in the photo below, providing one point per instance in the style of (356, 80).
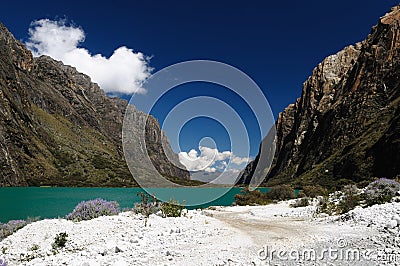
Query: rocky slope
(59, 128)
(346, 124)
(222, 236)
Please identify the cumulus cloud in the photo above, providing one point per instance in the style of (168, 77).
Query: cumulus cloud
(209, 159)
(239, 160)
(210, 169)
(122, 73)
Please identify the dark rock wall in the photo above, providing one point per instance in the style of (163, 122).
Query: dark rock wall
(345, 125)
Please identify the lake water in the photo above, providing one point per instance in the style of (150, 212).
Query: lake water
(23, 202)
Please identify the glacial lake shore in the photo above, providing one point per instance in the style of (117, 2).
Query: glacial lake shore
(239, 235)
(53, 202)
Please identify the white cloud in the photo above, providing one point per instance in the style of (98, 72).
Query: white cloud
(239, 160)
(122, 73)
(222, 165)
(208, 159)
(210, 169)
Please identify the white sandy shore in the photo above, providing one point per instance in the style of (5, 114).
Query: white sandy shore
(224, 236)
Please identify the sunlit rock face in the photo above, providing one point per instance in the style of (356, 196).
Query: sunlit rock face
(58, 128)
(346, 123)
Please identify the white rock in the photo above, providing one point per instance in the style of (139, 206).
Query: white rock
(396, 218)
(144, 260)
(120, 263)
(89, 262)
(110, 245)
(391, 224)
(184, 212)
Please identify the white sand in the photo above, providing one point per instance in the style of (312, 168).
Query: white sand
(225, 236)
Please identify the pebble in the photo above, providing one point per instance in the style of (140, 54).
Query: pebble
(391, 224)
(396, 218)
(120, 263)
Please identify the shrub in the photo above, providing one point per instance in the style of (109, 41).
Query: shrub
(35, 247)
(301, 194)
(341, 183)
(91, 209)
(349, 199)
(255, 197)
(314, 191)
(302, 202)
(363, 184)
(281, 192)
(381, 191)
(13, 226)
(146, 206)
(60, 240)
(171, 208)
(325, 206)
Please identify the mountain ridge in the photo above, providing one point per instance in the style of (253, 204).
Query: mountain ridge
(57, 128)
(345, 126)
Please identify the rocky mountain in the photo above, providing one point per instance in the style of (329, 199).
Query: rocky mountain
(57, 128)
(204, 176)
(346, 124)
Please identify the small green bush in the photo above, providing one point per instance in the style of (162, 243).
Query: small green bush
(349, 200)
(302, 202)
(363, 184)
(340, 202)
(171, 208)
(301, 194)
(247, 197)
(146, 206)
(281, 192)
(35, 247)
(60, 240)
(325, 206)
(314, 191)
(343, 182)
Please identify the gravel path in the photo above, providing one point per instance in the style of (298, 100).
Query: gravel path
(284, 229)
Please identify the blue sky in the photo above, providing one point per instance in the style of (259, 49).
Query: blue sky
(276, 43)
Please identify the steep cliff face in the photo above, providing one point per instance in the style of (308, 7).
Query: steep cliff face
(59, 128)
(345, 125)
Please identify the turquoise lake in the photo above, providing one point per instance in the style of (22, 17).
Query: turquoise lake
(52, 202)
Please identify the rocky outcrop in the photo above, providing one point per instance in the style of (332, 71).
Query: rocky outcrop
(345, 126)
(58, 128)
